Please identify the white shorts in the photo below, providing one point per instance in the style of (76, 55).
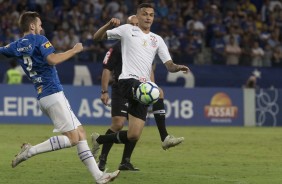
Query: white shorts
(57, 108)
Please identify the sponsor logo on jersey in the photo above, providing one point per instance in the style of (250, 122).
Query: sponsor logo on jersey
(134, 76)
(46, 45)
(24, 49)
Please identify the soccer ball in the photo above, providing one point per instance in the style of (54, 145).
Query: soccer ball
(147, 93)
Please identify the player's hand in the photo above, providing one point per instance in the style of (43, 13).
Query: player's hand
(114, 22)
(78, 48)
(105, 98)
(183, 68)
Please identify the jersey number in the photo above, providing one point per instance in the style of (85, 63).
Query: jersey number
(28, 62)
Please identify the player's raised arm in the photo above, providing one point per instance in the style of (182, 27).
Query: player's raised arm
(54, 59)
(101, 33)
(172, 67)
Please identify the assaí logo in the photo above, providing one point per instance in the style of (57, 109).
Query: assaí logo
(221, 109)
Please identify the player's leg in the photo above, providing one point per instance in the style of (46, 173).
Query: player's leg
(119, 107)
(135, 128)
(84, 152)
(88, 160)
(136, 117)
(117, 125)
(56, 106)
(125, 87)
(159, 114)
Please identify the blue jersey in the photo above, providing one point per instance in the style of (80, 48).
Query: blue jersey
(32, 51)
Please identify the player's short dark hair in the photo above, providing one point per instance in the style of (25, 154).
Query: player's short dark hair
(26, 19)
(145, 5)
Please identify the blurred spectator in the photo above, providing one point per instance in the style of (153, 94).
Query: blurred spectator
(217, 46)
(228, 19)
(162, 8)
(245, 45)
(88, 53)
(49, 20)
(232, 52)
(13, 75)
(120, 14)
(248, 7)
(76, 18)
(197, 24)
(179, 29)
(112, 7)
(60, 41)
(277, 57)
(173, 44)
(229, 6)
(22, 6)
(265, 10)
(257, 54)
(72, 38)
(191, 50)
(232, 32)
(267, 57)
(187, 10)
(264, 34)
(273, 41)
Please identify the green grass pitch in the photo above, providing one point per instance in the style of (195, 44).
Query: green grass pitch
(209, 155)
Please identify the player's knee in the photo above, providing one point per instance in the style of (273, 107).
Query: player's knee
(74, 142)
(116, 127)
(73, 138)
(133, 137)
(117, 123)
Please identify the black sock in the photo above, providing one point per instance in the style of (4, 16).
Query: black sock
(106, 147)
(127, 152)
(119, 137)
(159, 114)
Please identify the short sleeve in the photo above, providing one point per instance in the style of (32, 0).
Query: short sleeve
(46, 47)
(163, 51)
(118, 32)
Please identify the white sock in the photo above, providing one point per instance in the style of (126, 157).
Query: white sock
(87, 158)
(52, 144)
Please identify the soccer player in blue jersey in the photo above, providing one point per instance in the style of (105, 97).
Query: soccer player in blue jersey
(37, 57)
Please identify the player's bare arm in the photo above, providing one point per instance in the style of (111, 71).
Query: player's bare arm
(54, 59)
(152, 76)
(101, 33)
(172, 67)
(106, 75)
